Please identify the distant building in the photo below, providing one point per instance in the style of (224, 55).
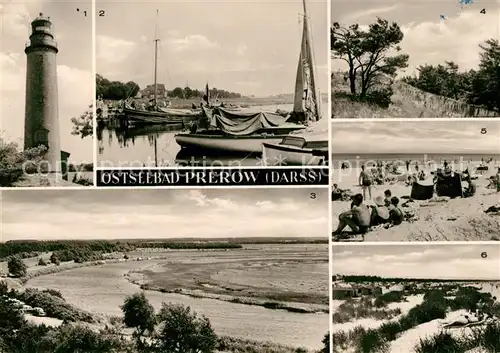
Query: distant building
(354, 291)
(149, 91)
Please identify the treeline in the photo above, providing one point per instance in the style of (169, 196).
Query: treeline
(24, 248)
(179, 246)
(372, 279)
(188, 92)
(89, 250)
(478, 87)
(115, 90)
(242, 240)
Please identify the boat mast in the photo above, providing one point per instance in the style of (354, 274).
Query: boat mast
(156, 58)
(312, 66)
(306, 106)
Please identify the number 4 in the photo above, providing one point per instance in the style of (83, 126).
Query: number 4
(483, 11)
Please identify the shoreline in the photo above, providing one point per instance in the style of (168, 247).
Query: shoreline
(135, 276)
(294, 307)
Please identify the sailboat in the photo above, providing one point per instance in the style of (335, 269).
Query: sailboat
(247, 132)
(156, 114)
(308, 146)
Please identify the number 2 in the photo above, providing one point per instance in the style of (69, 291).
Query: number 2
(101, 13)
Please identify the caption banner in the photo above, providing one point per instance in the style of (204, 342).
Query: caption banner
(212, 177)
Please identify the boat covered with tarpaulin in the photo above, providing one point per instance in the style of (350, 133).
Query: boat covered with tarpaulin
(236, 131)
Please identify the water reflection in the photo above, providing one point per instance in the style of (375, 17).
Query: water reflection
(154, 145)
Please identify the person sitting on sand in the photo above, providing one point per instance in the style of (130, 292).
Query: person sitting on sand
(380, 212)
(366, 181)
(387, 199)
(357, 218)
(396, 215)
(470, 190)
(336, 192)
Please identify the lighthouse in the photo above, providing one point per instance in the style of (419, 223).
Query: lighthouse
(41, 120)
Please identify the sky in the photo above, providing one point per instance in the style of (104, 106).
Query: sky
(416, 137)
(250, 47)
(162, 213)
(427, 38)
(419, 261)
(73, 32)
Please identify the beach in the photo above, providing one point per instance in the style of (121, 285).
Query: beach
(436, 219)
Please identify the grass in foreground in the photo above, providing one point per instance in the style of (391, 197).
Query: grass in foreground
(435, 306)
(367, 307)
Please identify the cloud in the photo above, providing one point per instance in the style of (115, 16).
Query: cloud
(181, 213)
(454, 39)
(360, 15)
(113, 50)
(193, 42)
(444, 261)
(12, 73)
(15, 18)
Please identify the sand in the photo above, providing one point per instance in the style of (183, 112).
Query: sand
(461, 219)
(409, 339)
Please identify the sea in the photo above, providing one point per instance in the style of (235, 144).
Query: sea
(356, 160)
(129, 148)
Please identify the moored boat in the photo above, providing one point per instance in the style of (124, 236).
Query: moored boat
(231, 131)
(304, 147)
(309, 146)
(239, 131)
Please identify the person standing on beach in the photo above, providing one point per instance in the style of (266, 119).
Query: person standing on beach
(408, 166)
(365, 180)
(498, 179)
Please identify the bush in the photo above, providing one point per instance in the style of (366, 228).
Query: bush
(390, 330)
(54, 259)
(41, 262)
(389, 297)
(380, 97)
(441, 342)
(54, 305)
(17, 267)
(138, 313)
(372, 342)
(13, 162)
(184, 331)
(426, 312)
(81, 180)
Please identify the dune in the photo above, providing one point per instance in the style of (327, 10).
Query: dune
(409, 339)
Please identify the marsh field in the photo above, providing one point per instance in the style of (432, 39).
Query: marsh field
(263, 292)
